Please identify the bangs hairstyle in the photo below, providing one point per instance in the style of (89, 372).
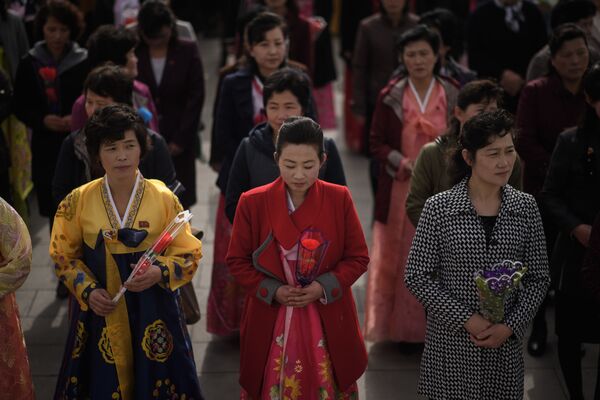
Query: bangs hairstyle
(110, 81)
(475, 92)
(416, 34)
(109, 124)
(477, 133)
(110, 43)
(153, 16)
(65, 13)
(257, 29)
(300, 130)
(447, 24)
(297, 82)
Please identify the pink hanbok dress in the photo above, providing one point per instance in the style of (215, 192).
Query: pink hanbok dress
(392, 312)
(299, 366)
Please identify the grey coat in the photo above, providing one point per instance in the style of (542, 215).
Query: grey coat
(450, 243)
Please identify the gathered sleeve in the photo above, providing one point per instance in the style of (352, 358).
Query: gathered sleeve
(537, 278)
(66, 249)
(421, 267)
(355, 258)
(15, 250)
(180, 260)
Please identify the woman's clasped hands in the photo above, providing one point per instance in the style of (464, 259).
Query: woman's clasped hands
(483, 333)
(299, 297)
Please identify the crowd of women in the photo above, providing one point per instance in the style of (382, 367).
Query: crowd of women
(483, 166)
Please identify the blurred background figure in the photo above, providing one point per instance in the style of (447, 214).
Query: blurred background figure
(571, 198)
(502, 37)
(172, 68)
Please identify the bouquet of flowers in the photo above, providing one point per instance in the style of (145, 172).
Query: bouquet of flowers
(311, 251)
(163, 241)
(494, 284)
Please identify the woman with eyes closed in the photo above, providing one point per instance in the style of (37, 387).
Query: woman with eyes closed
(411, 111)
(286, 94)
(481, 221)
(138, 347)
(300, 336)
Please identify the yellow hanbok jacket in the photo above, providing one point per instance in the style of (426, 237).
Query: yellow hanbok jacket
(142, 350)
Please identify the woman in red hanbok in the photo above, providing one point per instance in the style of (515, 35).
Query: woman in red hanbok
(297, 247)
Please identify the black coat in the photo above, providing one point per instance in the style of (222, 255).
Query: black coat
(571, 197)
(72, 172)
(254, 165)
(31, 106)
(233, 120)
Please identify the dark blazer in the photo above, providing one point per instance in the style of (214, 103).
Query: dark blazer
(233, 120)
(546, 109)
(571, 196)
(261, 224)
(72, 172)
(493, 47)
(179, 99)
(254, 165)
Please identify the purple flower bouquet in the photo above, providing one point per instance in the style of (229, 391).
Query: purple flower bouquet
(494, 284)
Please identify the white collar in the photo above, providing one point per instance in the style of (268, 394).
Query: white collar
(422, 104)
(131, 197)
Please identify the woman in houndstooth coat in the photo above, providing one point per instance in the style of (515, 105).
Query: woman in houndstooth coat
(480, 222)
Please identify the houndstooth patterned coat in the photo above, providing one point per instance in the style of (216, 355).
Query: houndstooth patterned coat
(450, 244)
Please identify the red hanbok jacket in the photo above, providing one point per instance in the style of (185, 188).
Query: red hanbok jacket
(261, 223)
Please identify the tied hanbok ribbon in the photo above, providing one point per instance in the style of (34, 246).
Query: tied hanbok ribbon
(424, 126)
(48, 75)
(494, 284)
(160, 245)
(513, 16)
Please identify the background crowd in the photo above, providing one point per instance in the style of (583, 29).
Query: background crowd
(414, 72)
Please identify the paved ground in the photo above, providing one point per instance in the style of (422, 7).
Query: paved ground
(391, 374)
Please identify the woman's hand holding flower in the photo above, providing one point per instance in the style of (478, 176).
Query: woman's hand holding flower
(143, 281)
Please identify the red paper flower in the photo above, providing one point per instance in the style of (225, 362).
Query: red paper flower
(310, 244)
(48, 73)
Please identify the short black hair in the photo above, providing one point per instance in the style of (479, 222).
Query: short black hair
(64, 12)
(110, 81)
(479, 91)
(418, 33)
(290, 79)
(563, 33)
(109, 124)
(290, 5)
(571, 11)
(264, 22)
(153, 16)
(110, 43)
(445, 22)
(477, 133)
(300, 130)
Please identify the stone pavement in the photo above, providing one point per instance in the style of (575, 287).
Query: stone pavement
(391, 374)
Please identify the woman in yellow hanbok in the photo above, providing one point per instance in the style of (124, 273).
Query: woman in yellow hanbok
(137, 348)
(15, 262)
